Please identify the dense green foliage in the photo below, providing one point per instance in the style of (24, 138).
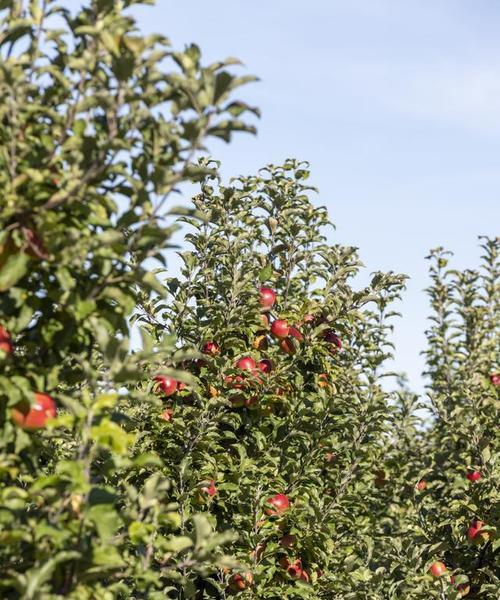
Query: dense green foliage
(314, 428)
(154, 479)
(98, 125)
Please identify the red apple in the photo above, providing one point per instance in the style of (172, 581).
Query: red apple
(238, 583)
(246, 363)
(329, 457)
(304, 576)
(5, 341)
(235, 381)
(380, 478)
(437, 569)
(332, 338)
(495, 378)
(259, 550)
(199, 363)
(210, 489)
(265, 365)
(287, 346)
(251, 402)
(32, 417)
(421, 485)
(463, 588)
(267, 297)
(476, 534)
(323, 380)
(288, 540)
(260, 343)
(280, 503)
(292, 567)
(166, 385)
(473, 476)
(167, 414)
(294, 332)
(211, 348)
(280, 328)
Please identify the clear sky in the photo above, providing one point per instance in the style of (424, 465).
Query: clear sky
(395, 103)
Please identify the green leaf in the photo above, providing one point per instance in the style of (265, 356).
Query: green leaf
(14, 269)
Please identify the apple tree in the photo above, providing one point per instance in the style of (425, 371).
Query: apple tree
(440, 519)
(281, 434)
(98, 126)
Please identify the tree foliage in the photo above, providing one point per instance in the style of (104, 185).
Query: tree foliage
(98, 125)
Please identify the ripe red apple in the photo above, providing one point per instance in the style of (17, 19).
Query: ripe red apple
(265, 365)
(246, 363)
(251, 402)
(211, 348)
(380, 478)
(292, 567)
(329, 457)
(32, 417)
(267, 297)
(235, 381)
(5, 341)
(323, 380)
(167, 414)
(495, 378)
(280, 503)
(437, 569)
(304, 576)
(473, 476)
(288, 540)
(332, 338)
(280, 328)
(287, 346)
(476, 534)
(463, 588)
(238, 583)
(210, 489)
(260, 343)
(257, 553)
(421, 485)
(199, 363)
(166, 385)
(294, 332)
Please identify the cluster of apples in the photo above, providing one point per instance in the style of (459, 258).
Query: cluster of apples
(250, 374)
(477, 534)
(29, 417)
(277, 506)
(438, 569)
(288, 337)
(286, 333)
(251, 371)
(472, 475)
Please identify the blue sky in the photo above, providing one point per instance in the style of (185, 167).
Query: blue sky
(395, 103)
